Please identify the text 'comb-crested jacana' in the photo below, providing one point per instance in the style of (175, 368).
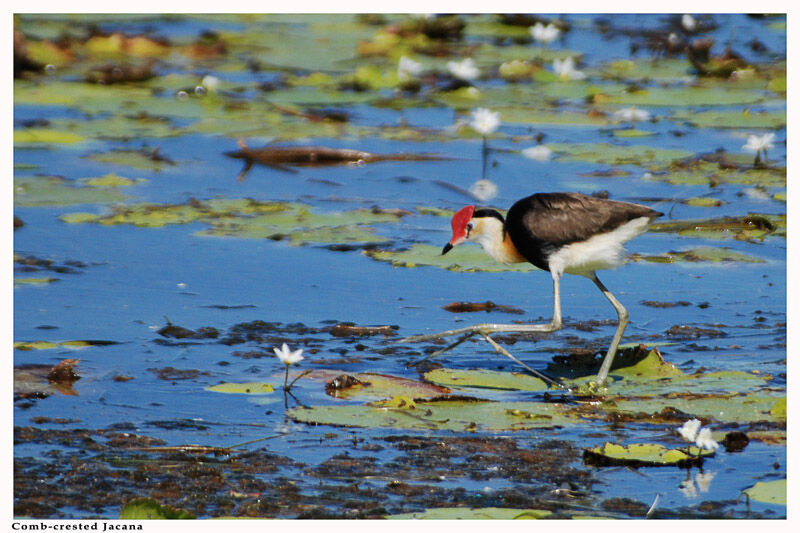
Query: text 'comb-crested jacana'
(559, 232)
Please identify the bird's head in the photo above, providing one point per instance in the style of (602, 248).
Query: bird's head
(483, 226)
(462, 227)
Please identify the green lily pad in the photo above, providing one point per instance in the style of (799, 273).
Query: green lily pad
(703, 254)
(703, 201)
(150, 509)
(87, 97)
(779, 408)
(709, 173)
(463, 259)
(139, 159)
(465, 513)
(636, 455)
(41, 191)
(242, 388)
(485, 379)
(45, 136)
(686, 97)
(370, 385)
(645, 69)
(632, 133)
(550, 116)
(244, 218)
(34, 281)
(752, 227)
(48, 345)
(708, 383)
(111, 180)
(302, 225)
(739, 119)
(443, 415)
(768, 492)
(612, 154)
(748, 407)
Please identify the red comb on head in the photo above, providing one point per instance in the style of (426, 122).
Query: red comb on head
(460, 219)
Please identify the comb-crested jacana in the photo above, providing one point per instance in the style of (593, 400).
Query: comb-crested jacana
(559, 232)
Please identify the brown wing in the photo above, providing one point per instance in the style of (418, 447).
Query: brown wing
(542, 223)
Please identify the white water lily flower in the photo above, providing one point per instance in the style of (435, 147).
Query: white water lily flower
(705, 440)
(688, 23)
(287, 356)
(757, 143)
(483, 190)
(689, 429)
(538, 153)
(565, 69)
(408, 68)
(544, 34)
(211, 83)
(632, 114)
(464, 70)
(485, 121)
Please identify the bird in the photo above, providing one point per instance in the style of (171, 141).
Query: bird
(559, 232)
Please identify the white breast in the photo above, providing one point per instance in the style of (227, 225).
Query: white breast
(600, 252)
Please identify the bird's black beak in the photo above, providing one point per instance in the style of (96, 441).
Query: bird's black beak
(447, 248)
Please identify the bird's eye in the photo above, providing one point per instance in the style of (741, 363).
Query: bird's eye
(469, 227)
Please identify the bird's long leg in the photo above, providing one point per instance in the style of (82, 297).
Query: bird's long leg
(499, 349)
(446, 348)
(553, 325)
(485, 329)
(622, 313)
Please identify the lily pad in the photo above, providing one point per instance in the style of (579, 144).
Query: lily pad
(749, 407)
(150, 509)
(34, 281)
(368, 385)
(612, 154)
(768, 492)
(486, 379)
(710, 173)
(49, 345)
(738, 119)
(41, 191)
(636, 455)
(255, 387)
(442, 415)
(465, 513)
(752, 227)
(632, 133)
(464, 259)
(111, 180)
(140, 159)
(686, 97)
(244, 218)
(704, 254)
(46, 136)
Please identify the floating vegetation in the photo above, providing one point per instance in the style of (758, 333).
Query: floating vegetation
(465, 259)
(243, 388)
(246, 218)
(636, 455)
(752, 227)
(43, 191)
(704, 254)
(464, 513)
(773, 492)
